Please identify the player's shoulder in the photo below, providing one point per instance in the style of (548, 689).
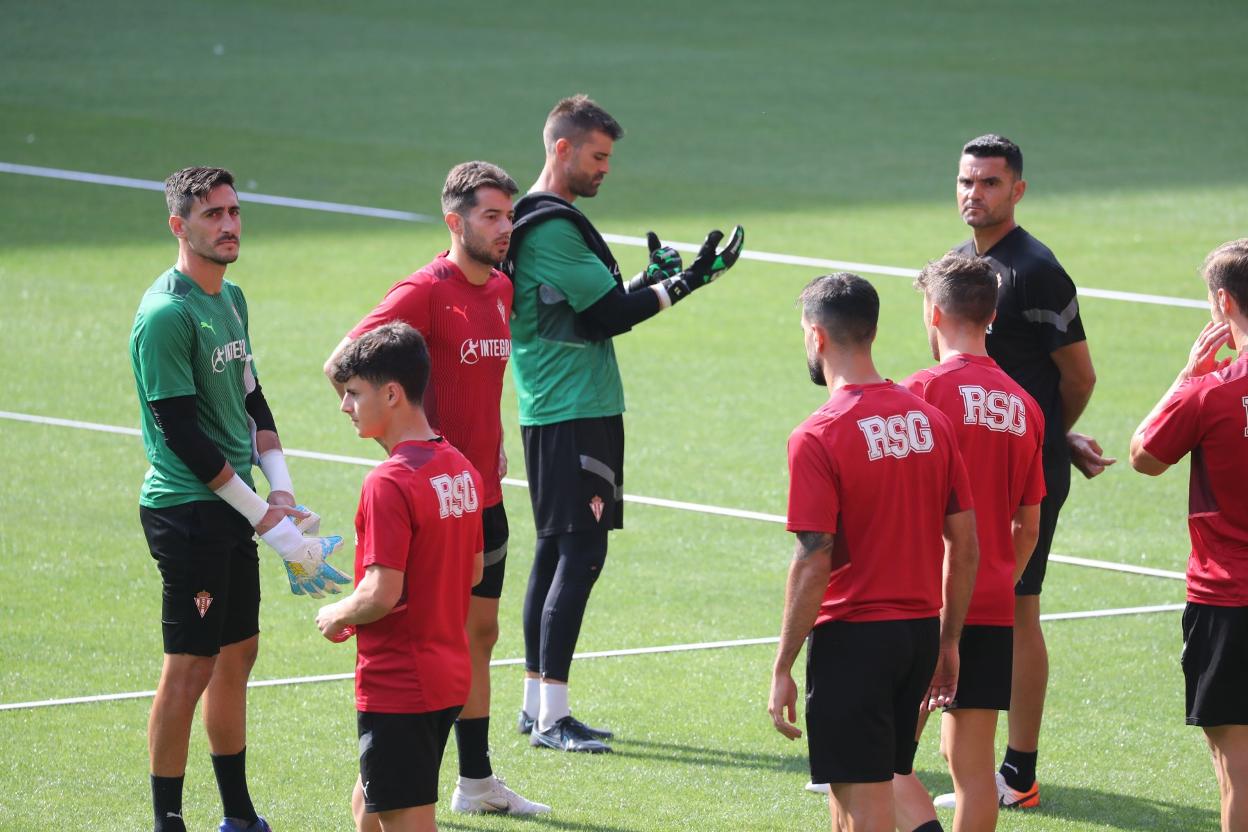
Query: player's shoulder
(1032, 258)
(165, 299)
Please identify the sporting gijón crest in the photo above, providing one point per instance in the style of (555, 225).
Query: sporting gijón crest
(595, 505)
(202, 602)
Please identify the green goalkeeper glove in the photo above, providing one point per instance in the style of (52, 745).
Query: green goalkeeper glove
(664, 263)
(710, 263)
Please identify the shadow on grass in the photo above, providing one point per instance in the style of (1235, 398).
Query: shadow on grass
(694, 755)
(540, 822)
(1104, 809)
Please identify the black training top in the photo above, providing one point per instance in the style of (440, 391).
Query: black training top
(1037, 313)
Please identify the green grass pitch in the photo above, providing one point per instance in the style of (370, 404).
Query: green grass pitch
(827, 129)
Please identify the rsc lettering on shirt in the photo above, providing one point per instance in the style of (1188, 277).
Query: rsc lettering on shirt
(897, 436)
(994, 409)
(457, 495)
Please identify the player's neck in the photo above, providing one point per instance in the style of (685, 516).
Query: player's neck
(960, 341)
(990, 235)
(207, 275)
(550, 182)
(845, 368)
(474, 270)
(407, 424)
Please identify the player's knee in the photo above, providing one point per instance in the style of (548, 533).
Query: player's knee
(188, 679)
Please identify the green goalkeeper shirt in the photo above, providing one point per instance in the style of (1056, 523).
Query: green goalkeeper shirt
(560, 375)
(186, 342)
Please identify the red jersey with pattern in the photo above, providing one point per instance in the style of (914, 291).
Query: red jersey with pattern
(420, 512)
(879, 468)
(469, 337)
(1000, 432)
(1208, 417)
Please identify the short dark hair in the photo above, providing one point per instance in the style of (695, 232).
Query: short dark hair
(845, 305)
(459, 194)
(575, 117)
(962, 286)
(1226, 267)
(391, 352)
(991, 145)
(185, 186)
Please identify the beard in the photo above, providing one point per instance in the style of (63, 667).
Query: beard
(816, 371)
(210, 253)
(584, 184)
(479, 248)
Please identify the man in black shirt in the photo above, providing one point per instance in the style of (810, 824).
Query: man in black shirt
(1037, 338)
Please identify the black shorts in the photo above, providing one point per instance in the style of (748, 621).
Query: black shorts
(400, 755)
(1057, 486)
(985, 668)
(576, 474)
(207, 558)
(494, 530)
(1215, 664)
(864, 683)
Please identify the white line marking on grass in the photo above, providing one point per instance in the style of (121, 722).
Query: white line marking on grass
(622, 239)
(700, 508)
(598, 654)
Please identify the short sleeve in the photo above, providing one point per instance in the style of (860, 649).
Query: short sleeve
(407, 301)
(385, 524)
(566, 263)
(1034, 487)
(959, 499)
(1176, 429)
(917, 384)
(814, 502)
(164, 343)
(1050, 303)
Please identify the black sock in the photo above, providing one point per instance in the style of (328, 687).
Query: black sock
(167, 804)
(1019, 769)
(472, 738)
(231, 771)
(930, 826)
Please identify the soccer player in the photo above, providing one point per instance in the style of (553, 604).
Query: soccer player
(569, 303)
(1205, 413)
(201, 405)
(1000, 427)
(418, 554)
(1038, 339)
(865, 588)
(461, 305)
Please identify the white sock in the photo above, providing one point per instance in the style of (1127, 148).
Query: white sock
(474, 786)
(532, 696)
(554, 705)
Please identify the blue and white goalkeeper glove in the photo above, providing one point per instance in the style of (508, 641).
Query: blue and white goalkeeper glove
(304, 559)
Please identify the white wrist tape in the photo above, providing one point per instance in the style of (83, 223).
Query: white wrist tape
(284, 537)
(665, 300)
(242, 499)
(273, 464)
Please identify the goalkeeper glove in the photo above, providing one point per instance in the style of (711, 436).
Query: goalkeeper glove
(304, 559)
(708, 265)
(664, 263)
(310, 524)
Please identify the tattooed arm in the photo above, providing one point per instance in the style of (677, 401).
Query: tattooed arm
(808, 579)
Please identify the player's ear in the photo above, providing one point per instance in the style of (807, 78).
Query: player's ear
(1020, 187)
(936, 314)
(177, 225)
(454, 222)
(563, 148)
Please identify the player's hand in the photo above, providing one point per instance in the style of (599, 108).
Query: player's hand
(282, 498)
(783, 705)
(329, 622)
(307, 569)
(710, 263)
(277, 513)
(944, 686)
(664, 263)
(1203, 357)
(1086, 454)
(502, 462)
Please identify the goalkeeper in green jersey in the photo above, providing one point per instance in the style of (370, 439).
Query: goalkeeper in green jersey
(205, 422)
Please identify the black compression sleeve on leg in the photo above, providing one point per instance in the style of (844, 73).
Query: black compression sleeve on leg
(545, 559)
(177, 421)
(581, 557)
(258, 409)
(617, 311)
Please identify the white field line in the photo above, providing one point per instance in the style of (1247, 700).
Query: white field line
(622, 239)
(700, 508)
(599, 654)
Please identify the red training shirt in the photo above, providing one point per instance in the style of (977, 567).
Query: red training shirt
(1208, 416)
(1000, 432)
(420, 512)
(878, 467)
(469, 338)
